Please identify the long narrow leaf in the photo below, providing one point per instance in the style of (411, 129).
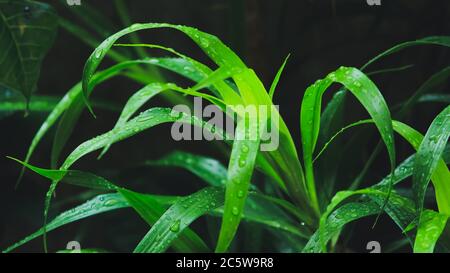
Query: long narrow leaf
(368, 95)
(179, 216)
(428, 157)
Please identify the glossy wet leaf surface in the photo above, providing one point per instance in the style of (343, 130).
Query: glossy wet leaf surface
(27, 31)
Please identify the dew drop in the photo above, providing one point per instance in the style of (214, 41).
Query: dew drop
(242, 162)
(110, 202)
(240, 194)
(98, 53)
(175, 227)
(134, 26)
(204, 42)
(235, 211)
(245, 148)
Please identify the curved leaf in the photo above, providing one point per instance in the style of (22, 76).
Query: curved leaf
(67, 102)
(367, 94)
(136, 101)
(435, 98)
(99, 204)
(208, 169)
(150, 207)
(432, 163)
(430, 85)
(152, 212)
(251, 91)
(178, 217)
(337, 220)
(259, 209)
(240, 170)
(36, 104)
(432, 40)
(143, 121)
(210, 44)
(275, 81)
(400, 209)
(426, 163)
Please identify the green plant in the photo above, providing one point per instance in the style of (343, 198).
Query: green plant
(299, 207)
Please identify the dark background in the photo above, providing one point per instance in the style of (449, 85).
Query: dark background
(320, 35)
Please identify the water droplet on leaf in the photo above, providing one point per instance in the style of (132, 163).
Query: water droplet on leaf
(235, 211)
(175, 227)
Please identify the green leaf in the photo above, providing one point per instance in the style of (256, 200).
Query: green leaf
(337, 220)
(70, 103)
(143, 121)
(440, 177)
(136, 101)
(215, 174)
(400, 209)
(198, 72)
(332, 117)
(152, 212)
(275, 81)
(388, 70)
(186, 210)
(191, 69)
(99, 204)
(431, 226)
(208, 169)
(435, 98)
(250, 87)
(252, 92)
(205, 41)
(267, 210)
(257, 206)
(27, 32)
(9, 104)
(430, 163)
(426, 163)
(122, 11)
(368, 95)
(260, 208)
(65, 129)
(76, 107)
(240, 170)
(331, 121)
(343, 129)
(433, 84)
(178, 217)
(432, 40)
(148, 206)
